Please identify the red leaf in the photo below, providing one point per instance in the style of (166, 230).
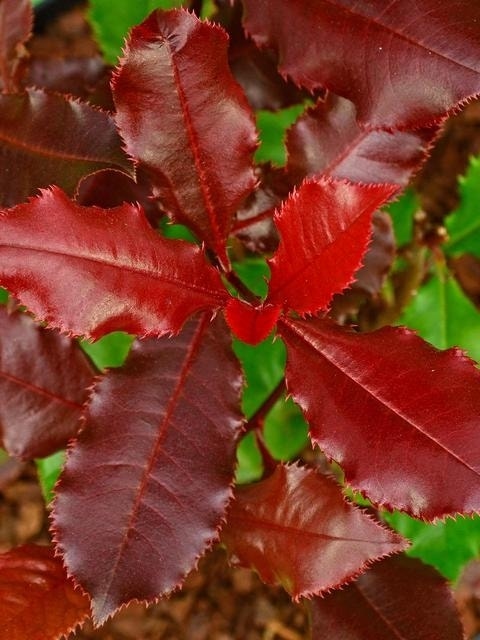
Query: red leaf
(376, 263)
(295, 528)
(37, 600)
(327, 139)
(399, 416)
(147, 485)
(185, 119)
(16, 18)
(255, 70)
(397, 598)
(254, 224)
(43, 385)
(251, 324)
(46, 139)
(90, 271)
(373, 52)
(110, 188)
(325, 227)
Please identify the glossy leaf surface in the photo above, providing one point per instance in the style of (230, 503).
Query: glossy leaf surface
(250, 324)
(186, 121)
(325, 227)
(397, 598)
(147, 484)
(54, 140)
(37, 600)
(327, 139)
(369, 52)
(90, 271)
(365, 394)
(44, 379)
(16, 18)
(272, 528)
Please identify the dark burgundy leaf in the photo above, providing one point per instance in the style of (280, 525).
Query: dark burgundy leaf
(147, 485)
(399, 416)
(325, 227)
(295, 528)
(254, 225)
(254, 69)
(397, 598)
(49, 139)
(43, 385)
(77, 77)
(374, 53)
(251, 324)
(187, 122)
(110, 188)
(89, 271)
(37, 600)
(16, 17)
(327, 139)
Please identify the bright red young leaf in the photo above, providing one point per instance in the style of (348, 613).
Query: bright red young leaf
(272, 528)
(147, 485)
(37, 600)
(185, 119)
(399, 598)
(89, 271)
(54, 140)
(44, 379)
(16, 18)
(327, 139)
(399, 416)
(374, 53)
(251, 324)
(325, 227)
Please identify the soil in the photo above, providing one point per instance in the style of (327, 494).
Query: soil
(218, 602)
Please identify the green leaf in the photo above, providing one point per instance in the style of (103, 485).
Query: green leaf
(443, 315)
(48, 470)
(285, 431)
(254, 273)
(112, 21)
(3, 296)
(448, 545)
(109, 351)
(272, 127)
(463, 225)
(402, 212)
(249, 460)
(264, 366)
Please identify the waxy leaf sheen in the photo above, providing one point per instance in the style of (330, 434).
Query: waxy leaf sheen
(272, 528)
(37, 599)
(146, 486)
(44, 379)
(90, 271)
(397, 598)
(185, 120)
(404, 64)
(389, 391)
(51, 139)
(327, 139)
(324, 227)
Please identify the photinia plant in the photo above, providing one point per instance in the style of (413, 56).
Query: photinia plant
(148, 483)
